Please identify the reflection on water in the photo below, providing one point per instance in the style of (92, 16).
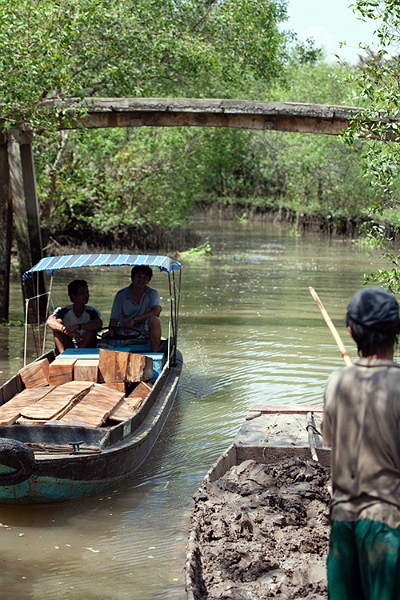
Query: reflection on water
(250, 333)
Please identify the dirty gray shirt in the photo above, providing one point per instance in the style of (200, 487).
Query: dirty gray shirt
(362, 425)
(124, 308)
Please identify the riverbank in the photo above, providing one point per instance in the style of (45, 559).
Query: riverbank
(157, 239)
(301, 221)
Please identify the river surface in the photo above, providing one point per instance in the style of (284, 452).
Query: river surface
(250, 333)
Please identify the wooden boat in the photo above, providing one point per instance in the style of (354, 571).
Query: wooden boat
(238, 485)
(76, 423)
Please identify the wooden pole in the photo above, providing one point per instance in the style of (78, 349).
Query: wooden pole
(33, 219)
(5, 231)
(333, 330)
(26, 227)
(18, 203)
(31, 200)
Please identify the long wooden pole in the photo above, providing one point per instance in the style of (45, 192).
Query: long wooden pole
(333, 330)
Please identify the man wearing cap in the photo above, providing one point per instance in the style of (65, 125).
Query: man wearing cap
(362, 426)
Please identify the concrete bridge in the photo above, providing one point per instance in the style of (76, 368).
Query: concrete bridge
(194, 112)
(18, 198)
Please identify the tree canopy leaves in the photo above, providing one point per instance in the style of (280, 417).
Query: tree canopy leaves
(377, 84)
(62, 49)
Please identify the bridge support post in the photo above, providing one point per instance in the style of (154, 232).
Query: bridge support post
(5, 231)
(25, 214)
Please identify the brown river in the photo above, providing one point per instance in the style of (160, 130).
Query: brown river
(250, 333)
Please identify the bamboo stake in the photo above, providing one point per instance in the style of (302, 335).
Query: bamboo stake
(333, 330)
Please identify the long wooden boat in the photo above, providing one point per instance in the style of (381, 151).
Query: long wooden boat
(76, 423)
(241, 501)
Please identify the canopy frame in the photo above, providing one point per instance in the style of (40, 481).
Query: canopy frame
(74, 261)
(165, 264)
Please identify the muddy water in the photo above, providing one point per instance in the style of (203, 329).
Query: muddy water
(250, 333)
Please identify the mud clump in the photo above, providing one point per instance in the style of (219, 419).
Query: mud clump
(262, 531)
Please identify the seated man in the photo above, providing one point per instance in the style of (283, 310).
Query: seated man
(75, 325)
(138, 307)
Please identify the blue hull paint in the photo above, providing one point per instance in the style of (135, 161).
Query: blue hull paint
(45, 490)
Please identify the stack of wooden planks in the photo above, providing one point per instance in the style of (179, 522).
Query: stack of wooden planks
(11, 410)
(67, 390)
(118, 368)
(113, 368)
(130, 404)
(53, 406)
(94, 408)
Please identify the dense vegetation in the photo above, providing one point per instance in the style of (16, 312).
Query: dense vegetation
(376, 87)
(128, 187)
(62, 49)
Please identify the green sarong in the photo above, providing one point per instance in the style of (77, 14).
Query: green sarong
(363, 561)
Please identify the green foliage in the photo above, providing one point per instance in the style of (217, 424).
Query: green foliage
(117, 186)
(376, 84)
(316, 176)
(56, 53)
(62, 49)
(197, 252)
(313, 82)
(311, 174)
(389, 278)
(120, 181)
(120, 184)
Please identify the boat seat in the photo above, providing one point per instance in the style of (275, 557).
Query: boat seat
(93, 354)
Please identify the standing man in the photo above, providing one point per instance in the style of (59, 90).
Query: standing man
(362, 425)
(75, 325)
(138, 307)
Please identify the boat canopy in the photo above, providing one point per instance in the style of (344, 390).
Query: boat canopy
(73, 261)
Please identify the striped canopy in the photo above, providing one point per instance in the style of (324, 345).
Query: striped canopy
(73, 261)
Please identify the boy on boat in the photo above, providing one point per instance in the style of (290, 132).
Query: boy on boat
(362, 426)
(137, 309)
(75, 325)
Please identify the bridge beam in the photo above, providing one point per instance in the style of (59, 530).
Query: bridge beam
(194, 112)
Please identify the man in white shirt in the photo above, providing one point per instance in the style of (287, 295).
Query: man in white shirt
(75, 325)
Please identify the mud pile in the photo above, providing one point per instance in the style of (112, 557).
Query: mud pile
(262, 531)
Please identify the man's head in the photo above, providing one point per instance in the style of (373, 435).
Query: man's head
(142, 269)
(78, 286)
(373, 319)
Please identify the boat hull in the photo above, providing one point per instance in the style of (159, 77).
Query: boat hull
(269, 435)
(102, 458)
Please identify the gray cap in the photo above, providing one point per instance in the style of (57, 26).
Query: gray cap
(373, 306)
